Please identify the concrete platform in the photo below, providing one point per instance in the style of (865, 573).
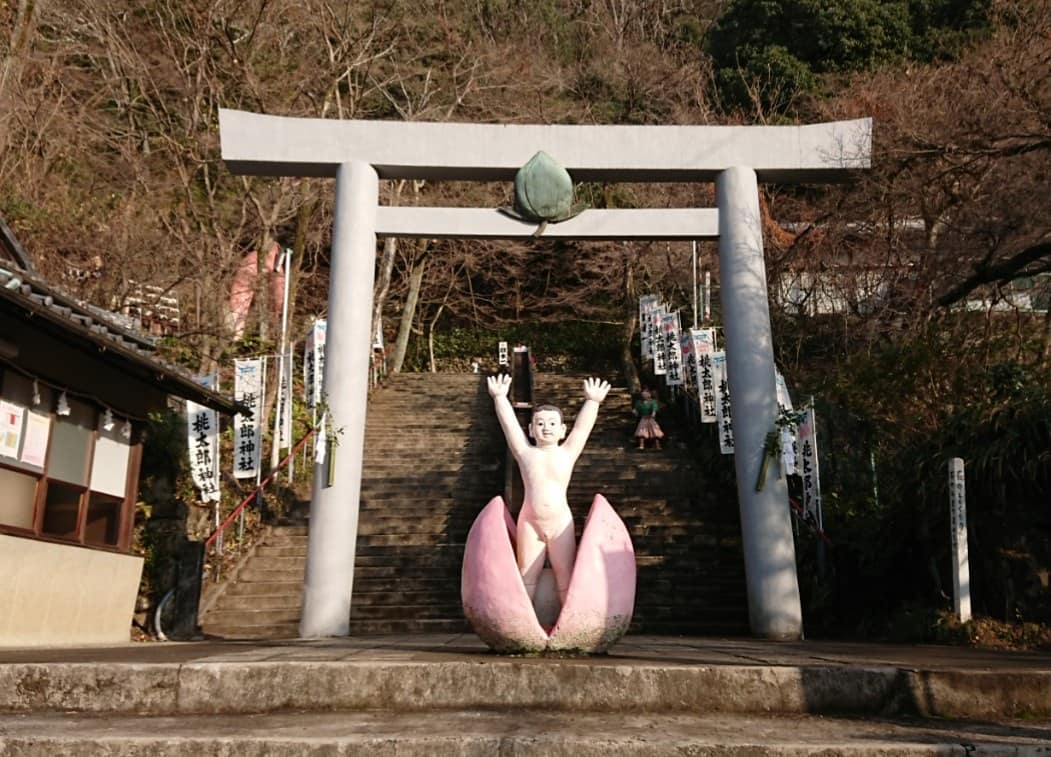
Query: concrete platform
(522, 734)
(415, 673)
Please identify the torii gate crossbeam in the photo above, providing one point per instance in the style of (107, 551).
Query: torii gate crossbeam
(358, 153)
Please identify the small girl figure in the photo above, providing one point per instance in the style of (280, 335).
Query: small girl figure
(646, 409)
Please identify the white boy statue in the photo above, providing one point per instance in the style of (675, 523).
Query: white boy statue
(545, 523)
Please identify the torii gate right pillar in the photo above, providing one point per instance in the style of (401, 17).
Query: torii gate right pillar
(766, 526)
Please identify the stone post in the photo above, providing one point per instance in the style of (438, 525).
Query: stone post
(766, 526)
(337, 492)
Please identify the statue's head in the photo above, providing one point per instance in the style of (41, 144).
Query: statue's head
(547, 426)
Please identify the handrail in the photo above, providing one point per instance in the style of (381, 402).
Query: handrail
(809, 520)
(247, 500)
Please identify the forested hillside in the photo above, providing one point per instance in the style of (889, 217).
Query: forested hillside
(938, 258)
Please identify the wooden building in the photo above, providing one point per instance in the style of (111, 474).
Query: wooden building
(75, 389)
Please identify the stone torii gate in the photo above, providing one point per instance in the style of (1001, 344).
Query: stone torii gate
(360, 153)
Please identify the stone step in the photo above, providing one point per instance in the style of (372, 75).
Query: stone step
(396, 625)
(268, 631)
(287, 532)
(268, 551)
(259, 573)
(530, 733)
(641, 674)
(268, 601)
(415, 611)
(250, 618)
(275, 589)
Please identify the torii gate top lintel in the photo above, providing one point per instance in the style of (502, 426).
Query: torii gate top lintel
(265, 145)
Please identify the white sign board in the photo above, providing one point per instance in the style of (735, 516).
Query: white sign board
(673, 350)
(202, 432)
(248, 441)
(722, 404)
(961, 570)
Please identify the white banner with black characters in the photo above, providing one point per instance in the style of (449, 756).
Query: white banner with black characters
(689, 360)
(314, 362)
(722, 403)
(961, 568)
(706, 308)
(657, 349)
(284, 399)
(248, 442)
(672, 349)
(202, 436)
(789, 443)
(703, 349)
(647, 303)
(809, 472)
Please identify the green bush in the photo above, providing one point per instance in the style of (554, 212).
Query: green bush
(575, 345)
(889, 421)
(777, 49)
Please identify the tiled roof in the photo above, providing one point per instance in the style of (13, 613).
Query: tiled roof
(119, 344)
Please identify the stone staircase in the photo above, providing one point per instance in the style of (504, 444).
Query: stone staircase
(434, 456)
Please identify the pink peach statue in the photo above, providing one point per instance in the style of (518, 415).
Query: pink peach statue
(508, 596)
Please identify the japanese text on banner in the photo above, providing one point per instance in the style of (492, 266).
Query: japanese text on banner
(647, 303)
(810, 473)
(673, 352)
(202, 432)
(723, 406)
(284, 388)
(703, 349)
(789, 442)
(657, 341)
(689, 361)
(248, 390)
(314, 363)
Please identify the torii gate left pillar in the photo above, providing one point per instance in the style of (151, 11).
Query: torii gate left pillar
(358, 153)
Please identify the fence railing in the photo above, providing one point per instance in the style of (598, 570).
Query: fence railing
(217, 534)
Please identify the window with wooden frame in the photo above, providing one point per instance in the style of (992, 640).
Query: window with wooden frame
(67, 477)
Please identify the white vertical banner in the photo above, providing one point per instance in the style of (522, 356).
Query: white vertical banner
(202, 432)
(248, 442)
(689, 360)
(377, 339)
(788, 434)
(321, 440)
(783, 397)
(707, 296)
(647, 303)
(810, 472)
(703, 349)
(502, 354)
(659, 354)
(314, 363)
(672, 349)
(722, 403)
(284, 389)
(961, 569)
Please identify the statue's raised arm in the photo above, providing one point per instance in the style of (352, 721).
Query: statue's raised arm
(595, 390)
(499, 386)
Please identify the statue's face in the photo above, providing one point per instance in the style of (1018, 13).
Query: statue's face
(547, 428)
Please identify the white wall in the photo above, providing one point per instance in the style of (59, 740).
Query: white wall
(60, 595)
